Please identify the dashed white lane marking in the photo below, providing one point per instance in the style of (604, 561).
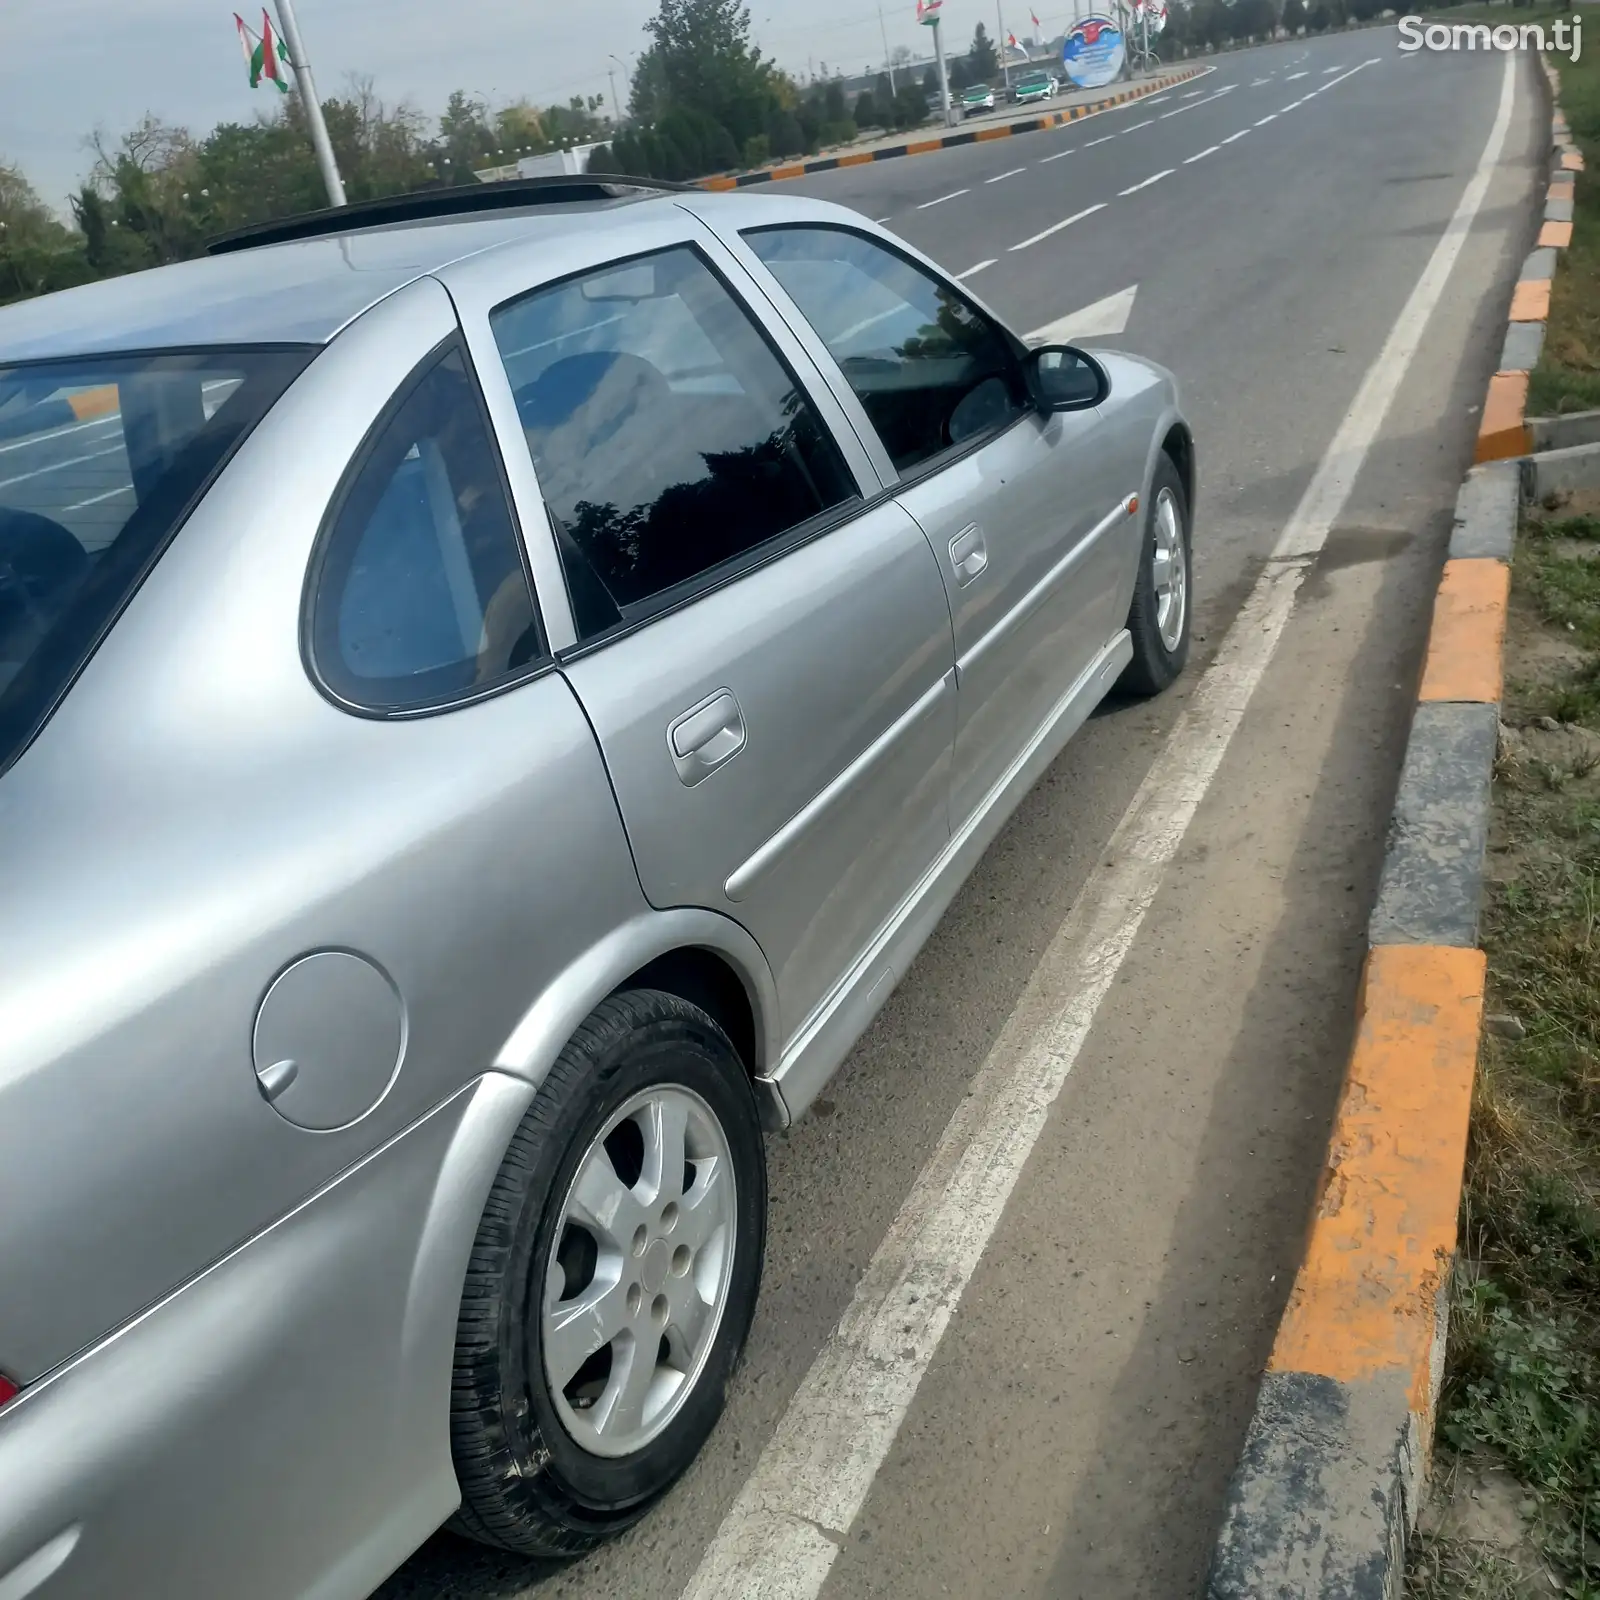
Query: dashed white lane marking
(94, 500)
(955, 194)
(1000, 177)
(881, 220)
(1239, 135)
(780, 1538)
(50, 435)
(1105, 140)
(1148, 122)
(1328, 71)
(1293, 75)
(1061, 155)
(1191, 94)
(1256, 83)
(1271, 116)
(1200, 155)
(1056, 227)
(982, 266)
(1161, 99)
(58, 466)
(1134, 188)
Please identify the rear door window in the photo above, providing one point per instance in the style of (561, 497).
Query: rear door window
(100, 461)
(669, 438)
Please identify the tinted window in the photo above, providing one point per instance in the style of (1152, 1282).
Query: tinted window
(668, 436)
(100, 461)
(422, 596)
(930, 370)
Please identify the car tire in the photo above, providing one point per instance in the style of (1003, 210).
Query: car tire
(1160, 634)
(539, 1473)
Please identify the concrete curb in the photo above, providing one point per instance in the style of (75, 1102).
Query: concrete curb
(1331, 1477)
(950, 141)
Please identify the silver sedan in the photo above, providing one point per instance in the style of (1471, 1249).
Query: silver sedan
(489, 707)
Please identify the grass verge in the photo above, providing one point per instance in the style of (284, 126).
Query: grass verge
(1521, 1400)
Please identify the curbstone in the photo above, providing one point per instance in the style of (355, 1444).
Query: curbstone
(1432, 881)
(949, 141)
(1524, 341)
(1331, 1476)
(1503, 432)
(1486, 512)
(1541, 263)
(1555, 472)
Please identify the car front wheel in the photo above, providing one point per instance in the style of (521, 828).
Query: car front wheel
(612, 1282)
(1159, 618)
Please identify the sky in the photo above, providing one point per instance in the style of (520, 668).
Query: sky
(70, 66)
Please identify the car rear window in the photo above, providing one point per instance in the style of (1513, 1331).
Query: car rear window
(100, 461)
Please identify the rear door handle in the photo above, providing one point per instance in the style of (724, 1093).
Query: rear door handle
(968, 554)
(706, 736)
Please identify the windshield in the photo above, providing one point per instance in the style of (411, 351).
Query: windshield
(1033, 80)
(100, 461)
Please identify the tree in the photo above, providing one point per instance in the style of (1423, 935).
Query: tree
(37, 254)
(833, 106)
(1294, 15)
(466, 140)
(700, 55)
(784, 136)
(866, 110)
(930, 81)
(982, 62)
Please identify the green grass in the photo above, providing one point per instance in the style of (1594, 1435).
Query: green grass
(1522, 1381)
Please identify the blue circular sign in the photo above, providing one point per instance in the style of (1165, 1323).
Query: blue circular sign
(1094, 52)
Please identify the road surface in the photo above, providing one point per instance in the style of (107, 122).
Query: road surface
(1056, 1409)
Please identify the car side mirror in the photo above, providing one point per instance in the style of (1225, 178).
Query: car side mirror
(1062, 378)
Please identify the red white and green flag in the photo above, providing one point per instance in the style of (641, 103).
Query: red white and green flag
(928, 11)
(264, 52)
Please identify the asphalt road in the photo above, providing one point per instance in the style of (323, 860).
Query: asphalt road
(1069, 1429)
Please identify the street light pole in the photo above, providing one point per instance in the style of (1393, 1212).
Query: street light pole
(308, 96)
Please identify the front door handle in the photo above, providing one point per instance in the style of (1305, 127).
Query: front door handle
(706, 736)
(968, 554)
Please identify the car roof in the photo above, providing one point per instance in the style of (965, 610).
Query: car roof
(300, 292)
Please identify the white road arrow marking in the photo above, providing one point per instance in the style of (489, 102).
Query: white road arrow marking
(1101, 320)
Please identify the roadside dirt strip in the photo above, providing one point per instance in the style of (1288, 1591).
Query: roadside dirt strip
(949, 141)
(1331, 1477)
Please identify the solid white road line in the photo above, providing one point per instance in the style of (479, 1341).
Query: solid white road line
(955, 194)
(1200, 155)
(1000, 177)
(1056, 227)
(1134, 188)
(982, 266)
(1060, 154)
(1326, 494)
(780, 1537)
(1239, 135)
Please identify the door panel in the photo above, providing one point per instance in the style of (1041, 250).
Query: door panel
(1033, 571)
(820, 690)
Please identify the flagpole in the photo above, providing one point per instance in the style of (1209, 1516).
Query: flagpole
(313, 106)
(1005, 49)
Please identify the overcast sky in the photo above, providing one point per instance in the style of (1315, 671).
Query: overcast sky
(67, 66)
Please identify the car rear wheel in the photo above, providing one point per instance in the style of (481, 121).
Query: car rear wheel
(1159, 617)
(612, 1282)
